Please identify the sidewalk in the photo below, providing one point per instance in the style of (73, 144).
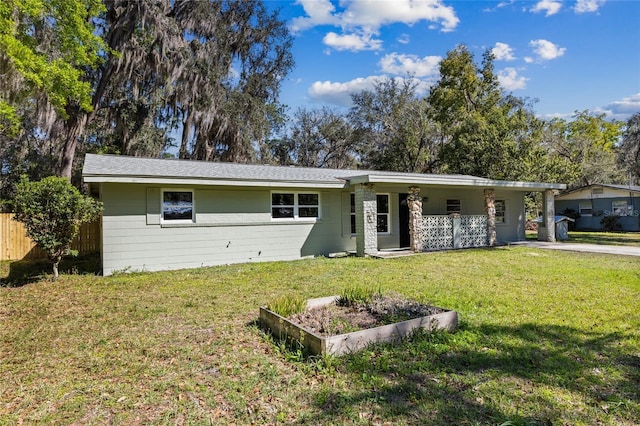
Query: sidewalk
(590, 248)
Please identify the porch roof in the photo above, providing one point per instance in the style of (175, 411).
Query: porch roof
(124, 169)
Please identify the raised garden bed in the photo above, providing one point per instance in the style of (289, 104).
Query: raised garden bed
(317, 340)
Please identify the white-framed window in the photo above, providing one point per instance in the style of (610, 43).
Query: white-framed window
(295, 205)
(382, 210)
(454, 205)
(178, 205)
(501, 211)
(353, 213)
(620, 208)
(585, 208)
(382, 201)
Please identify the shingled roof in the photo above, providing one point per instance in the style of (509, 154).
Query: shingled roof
(630, 188)
(117, 168)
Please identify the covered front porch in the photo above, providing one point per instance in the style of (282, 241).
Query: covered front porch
(477, 224)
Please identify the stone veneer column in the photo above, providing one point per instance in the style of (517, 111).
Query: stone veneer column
(547, 228)
(414, 202)
(366, 220)
(490, 209)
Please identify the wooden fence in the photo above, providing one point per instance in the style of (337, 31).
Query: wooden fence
(15, 245)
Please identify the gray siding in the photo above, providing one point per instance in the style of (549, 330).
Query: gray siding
(232, 225)
(602, 207)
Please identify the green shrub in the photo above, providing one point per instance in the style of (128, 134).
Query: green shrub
(52, 211)
(610, 223)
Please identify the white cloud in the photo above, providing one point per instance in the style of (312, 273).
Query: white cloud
(588, 6)
(621, 110)
(353, 42)
(510, 80)
(319, 12)
(399, 64)
(550, 7)
(375, 13)
(340, 93)
(503, 52)
(624, 108)
(498, 6)
(367, 16)
(546, 50)
(404, 39)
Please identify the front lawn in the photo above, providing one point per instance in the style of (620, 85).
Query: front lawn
(611, 238)
(592, 237)
(546, 338)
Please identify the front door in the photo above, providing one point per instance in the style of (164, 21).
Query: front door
(403, 212)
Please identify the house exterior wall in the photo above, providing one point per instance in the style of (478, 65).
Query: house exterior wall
(602, 205)
(232, 225)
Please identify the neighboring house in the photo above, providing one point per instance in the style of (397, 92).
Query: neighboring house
(170, 214)
(593, 202)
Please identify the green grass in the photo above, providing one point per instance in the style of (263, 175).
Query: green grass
(612, 238)
(546, 338)
(590, 237)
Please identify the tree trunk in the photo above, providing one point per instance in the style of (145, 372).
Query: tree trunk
(187, 124)
(76, 127)
(55, 270)
(78, 120)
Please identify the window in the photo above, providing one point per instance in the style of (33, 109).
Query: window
(382, 201)
(293, 205)
(177, 206)
(501, 211)
(453, 206)
(353, 213)
(585, 208)
(383, 212)
(620, 208)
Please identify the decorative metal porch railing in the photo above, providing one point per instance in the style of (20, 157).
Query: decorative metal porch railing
(448, 232)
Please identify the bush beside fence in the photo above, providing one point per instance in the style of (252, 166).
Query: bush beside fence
(15, 245)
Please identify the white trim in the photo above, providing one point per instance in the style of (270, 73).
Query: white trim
(178, 221)
(590, 208)
(447, 181)
(619, 202)
(446, 205)
(452, 180)
(505, 212)
(296, 207)
(215, 182)
(388, 214)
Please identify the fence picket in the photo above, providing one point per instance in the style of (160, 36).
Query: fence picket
(15, 245)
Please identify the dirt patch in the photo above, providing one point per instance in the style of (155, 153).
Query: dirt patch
(332, 319)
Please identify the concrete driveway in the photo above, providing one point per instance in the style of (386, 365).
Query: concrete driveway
(589, 248)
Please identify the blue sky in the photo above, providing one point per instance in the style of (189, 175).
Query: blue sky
(569, 55)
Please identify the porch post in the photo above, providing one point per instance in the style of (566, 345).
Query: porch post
(547, 228)
(414, 202)
(490, 209)
(366, 220)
